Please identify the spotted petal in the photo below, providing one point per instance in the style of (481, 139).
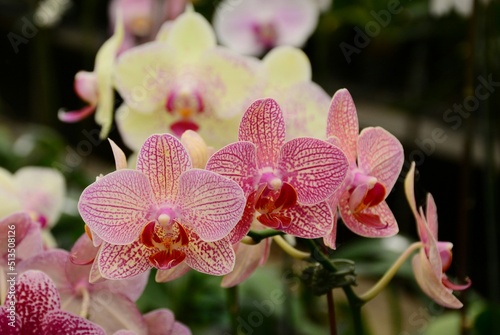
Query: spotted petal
(9, 326)
(211, 204)
(343, 123)
(237, 161)
(315, 168)
(263, 125)
(309, 221)
(163, 159)
(123, 261)
(380, 155)
(63, 323)
(117, 206)
(215, 258)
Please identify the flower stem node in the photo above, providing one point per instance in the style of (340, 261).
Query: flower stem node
(321, 280)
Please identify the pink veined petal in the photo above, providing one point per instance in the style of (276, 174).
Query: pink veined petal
(263, 124)
(432, 285)
(163, 276)
(117, 206)
(163, 159)
(380, 220)
(63, 323)
(312, 221)
(162, 322)
(315, 168)
(95, 275)
(36, 296)
(113, 311)
(76, 115)
(215, 258)
(343, 123)
(380, 155)
(237, 161)
(431, 216)
(243, 226)
(124, 261)
(211, 204)
(248, 258)
(5, 320)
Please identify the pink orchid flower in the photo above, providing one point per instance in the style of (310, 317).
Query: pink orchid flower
(375, 159)
(254, 26)
(160, 322)
(285, 182)
(35, 309)
(435, 257)
(162, 214)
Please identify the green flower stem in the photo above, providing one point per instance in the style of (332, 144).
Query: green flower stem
(331, 312)
(258, 236)
(233, 307)
(295, 253)
(386, 278)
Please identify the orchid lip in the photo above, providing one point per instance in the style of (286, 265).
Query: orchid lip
(179, 127)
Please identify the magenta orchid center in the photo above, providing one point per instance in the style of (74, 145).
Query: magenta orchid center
(185, 104)
(265, 34)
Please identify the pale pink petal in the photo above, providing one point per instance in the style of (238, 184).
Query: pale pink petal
(119, 155)
(117, 206)
(248, 258)
(163, 276)
(343, 123)
(132, 288)
(386, 227)
(431, 247)
(315, 168)
(432, 285)
(75, 115)
(163, 159)
(64, 323)
(86, 87)
(263, 125)
(409, 185)
(27, 234)
(123, 261)
(9, 326)
(380, 155)
(309, 221)
(36, 295)
(32, 243)
(114, 311)
(215, 258)
(162, 322)
(211, 204)
(52, 263)
(295, 21)
(83, 251)
(431, 216)
(124, 332)
(95, 275)
(237, 161)
(330, 239)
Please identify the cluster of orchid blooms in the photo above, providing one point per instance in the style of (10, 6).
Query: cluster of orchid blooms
(227, 147)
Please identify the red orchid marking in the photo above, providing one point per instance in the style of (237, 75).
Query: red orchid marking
(265, 34)
(270, 203)
(185, 105)
(169, 243)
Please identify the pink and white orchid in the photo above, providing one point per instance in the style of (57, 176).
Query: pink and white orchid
(35, 309)
(162, 214)
(431, 263)
(96, 87)
(285, 182)
(375, 159)
(254, 26)
(160, 322)
(183, 81)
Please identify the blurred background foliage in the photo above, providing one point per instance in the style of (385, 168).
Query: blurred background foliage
(404, 79)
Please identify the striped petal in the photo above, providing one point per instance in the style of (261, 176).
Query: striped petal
(211, 204)
(63, 323)
(309, 221)
(380, 155)
(263, 125)
(214, 258)
(315, 168)
(117, 206)
(123, 261)
(237, 161)
(343, 123)
(163, 159)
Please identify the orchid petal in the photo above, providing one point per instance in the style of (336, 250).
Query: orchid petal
(431, 216)
(343, 123)
(163, 159)
(75, 115)
(83, 251)
(278, 62)
(238, 162)
(191, 35)
(63, 323)
(163, 276)
(86, 87)
(380, 155)
(295, 20)
(248, 258)
(263, 125)
(142, 75)
(211, 204)
(380, 221)
(196, 147)
(309, 221)
(410, 196)
(123, 261)
(22, 223)
(215, 258)
(432, 285)
(431, 248)
(8, 194)
(42, 191)
(132, 288)
(315, 168)
(119, 155)
(243, 226)
(6, 322)
(117, 206)
(114, 311)
(52, 263)
(330, 239)
(162, 322)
